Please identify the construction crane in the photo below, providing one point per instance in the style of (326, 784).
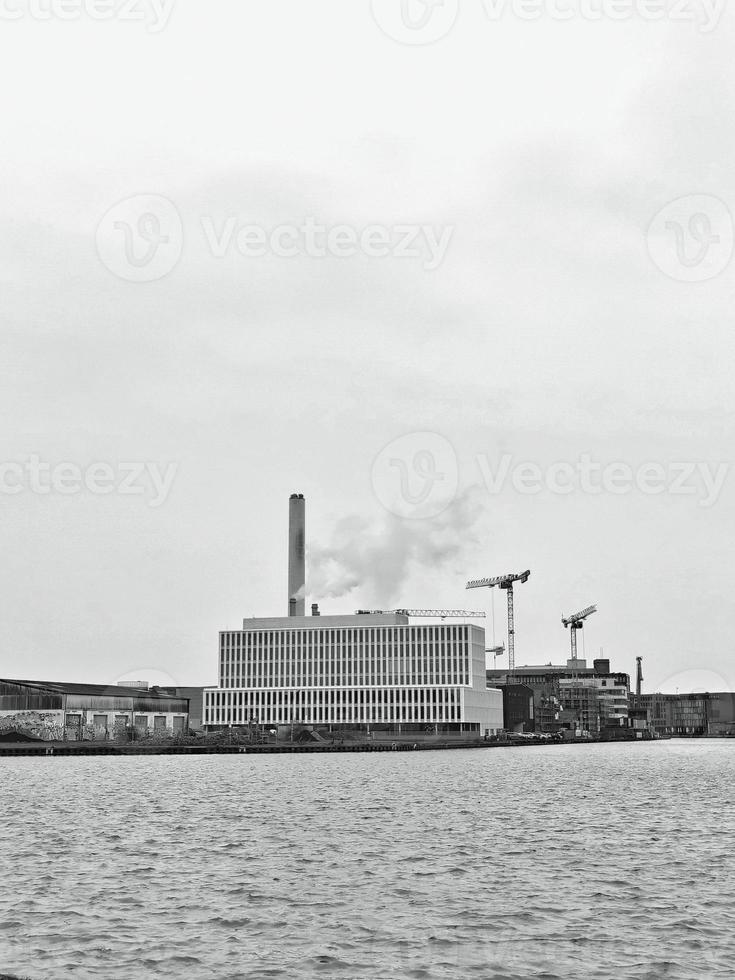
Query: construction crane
(428, 613)
(638, 676)
(576, 622)
(496, 652)
(505, 582)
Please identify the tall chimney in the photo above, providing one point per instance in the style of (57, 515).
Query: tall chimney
(296, 555)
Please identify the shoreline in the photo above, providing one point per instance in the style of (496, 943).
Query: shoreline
(66, 750)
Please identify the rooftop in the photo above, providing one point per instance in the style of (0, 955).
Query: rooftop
(323, 622)
(90, 690)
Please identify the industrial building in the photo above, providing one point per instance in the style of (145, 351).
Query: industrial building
(711, 713)
(93, 706)
(194, 695)
(572, 696)
(367, 672)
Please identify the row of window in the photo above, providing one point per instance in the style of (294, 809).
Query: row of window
(338, 657)
(359, 706)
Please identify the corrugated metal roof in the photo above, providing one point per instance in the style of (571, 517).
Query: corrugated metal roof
(92, 690)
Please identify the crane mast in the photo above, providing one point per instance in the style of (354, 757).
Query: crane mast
(505, 582)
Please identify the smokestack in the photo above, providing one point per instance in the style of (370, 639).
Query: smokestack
(296, 555)
(315, 609)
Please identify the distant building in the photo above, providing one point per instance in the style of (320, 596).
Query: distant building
(587, 699)
(195, 697)
(101, 706)
(518, 708)
(711, 713)
(721, 714)
(368, 671)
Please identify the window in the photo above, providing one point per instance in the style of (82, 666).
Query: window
(100, 721)
(159, 722)
(141, 721)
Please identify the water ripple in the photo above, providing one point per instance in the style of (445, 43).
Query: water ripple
(581, 863)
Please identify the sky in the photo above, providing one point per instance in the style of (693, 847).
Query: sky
(460, 273)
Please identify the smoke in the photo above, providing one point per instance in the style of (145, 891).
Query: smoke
(378, 555)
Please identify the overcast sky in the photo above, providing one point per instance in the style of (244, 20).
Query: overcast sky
(549, 322)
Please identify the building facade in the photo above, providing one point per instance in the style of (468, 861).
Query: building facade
(710, 713)
(518, 709)
(601, 701)
(191, 694)
(721, 713)
(574, 696)
(103, 708)
(364, 671)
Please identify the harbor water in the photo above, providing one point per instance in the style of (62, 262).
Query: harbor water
(598, 861)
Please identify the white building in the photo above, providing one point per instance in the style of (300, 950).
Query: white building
(369, 671)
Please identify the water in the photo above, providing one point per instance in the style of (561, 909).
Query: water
(599, 861)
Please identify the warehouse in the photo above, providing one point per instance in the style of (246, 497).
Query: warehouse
(96, 708)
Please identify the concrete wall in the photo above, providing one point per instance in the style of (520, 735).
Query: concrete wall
(483, 707)
(94, 718)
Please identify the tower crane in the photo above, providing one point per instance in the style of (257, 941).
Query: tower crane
(505, 582)
(496, 652)
(576, 622)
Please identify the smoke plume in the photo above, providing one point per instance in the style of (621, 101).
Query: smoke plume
(378, 555)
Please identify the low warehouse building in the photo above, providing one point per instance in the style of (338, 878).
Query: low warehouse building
(101, 707)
